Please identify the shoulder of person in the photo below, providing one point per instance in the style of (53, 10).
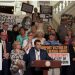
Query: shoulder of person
(18, 36)
(33, 48)
(21, 51)
(70, 46)
(43, 50)
(1, 30)
(26, 40)
(0, 40)
(8, 42)
(9, 30)
(12, 52)
(43, 39)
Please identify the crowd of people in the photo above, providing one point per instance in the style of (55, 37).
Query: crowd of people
(21, 46)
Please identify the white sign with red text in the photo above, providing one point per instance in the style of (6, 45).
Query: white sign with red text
(63, 57)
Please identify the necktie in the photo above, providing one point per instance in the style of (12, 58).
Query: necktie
(7, 34)
(4, 46)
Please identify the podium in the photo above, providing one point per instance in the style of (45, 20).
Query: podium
(45, 65)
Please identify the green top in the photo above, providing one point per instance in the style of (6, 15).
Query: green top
(21, 39)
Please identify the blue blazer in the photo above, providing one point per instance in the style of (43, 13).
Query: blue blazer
(43, 55)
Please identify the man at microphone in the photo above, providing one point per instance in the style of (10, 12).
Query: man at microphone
(36, 53)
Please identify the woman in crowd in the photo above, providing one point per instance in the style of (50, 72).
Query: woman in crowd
(28, 43)
(67, 40)
(52, 40)
(17, 63)
(22, 36)
(15, 31)
(48, 32)
(55, 33)
(69, 33)
(33, 29)
(39, 26)
(40, 36)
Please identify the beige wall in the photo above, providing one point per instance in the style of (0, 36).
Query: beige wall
(52, 3)
(71, 11)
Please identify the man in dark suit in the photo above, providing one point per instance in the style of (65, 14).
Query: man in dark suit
(6, 49)
(36, 53)
(5, 26)
(71, 48)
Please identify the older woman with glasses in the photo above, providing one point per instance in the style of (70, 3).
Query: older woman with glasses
(27, 44)
(17, 63)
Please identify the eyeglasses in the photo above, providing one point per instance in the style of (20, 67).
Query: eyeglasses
(16, 44)
(30, 35)
(5, 25)
(3, 35)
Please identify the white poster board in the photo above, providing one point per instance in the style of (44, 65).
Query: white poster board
(0, 56)
(63, 57)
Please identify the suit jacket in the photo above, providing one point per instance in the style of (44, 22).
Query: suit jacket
(43, 55)
(8, 47)
(6, 62)
(72, 53)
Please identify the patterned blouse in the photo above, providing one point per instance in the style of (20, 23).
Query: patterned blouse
(15, 57)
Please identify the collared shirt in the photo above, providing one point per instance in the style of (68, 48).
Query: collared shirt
(3, 43)
(37, 53)
(5, 31)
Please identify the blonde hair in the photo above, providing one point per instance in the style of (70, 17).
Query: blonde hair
(15, 43)
(40, 32)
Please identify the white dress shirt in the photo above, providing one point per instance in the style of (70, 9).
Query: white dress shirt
(4, 44)
(37, 53)
(5, 31)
